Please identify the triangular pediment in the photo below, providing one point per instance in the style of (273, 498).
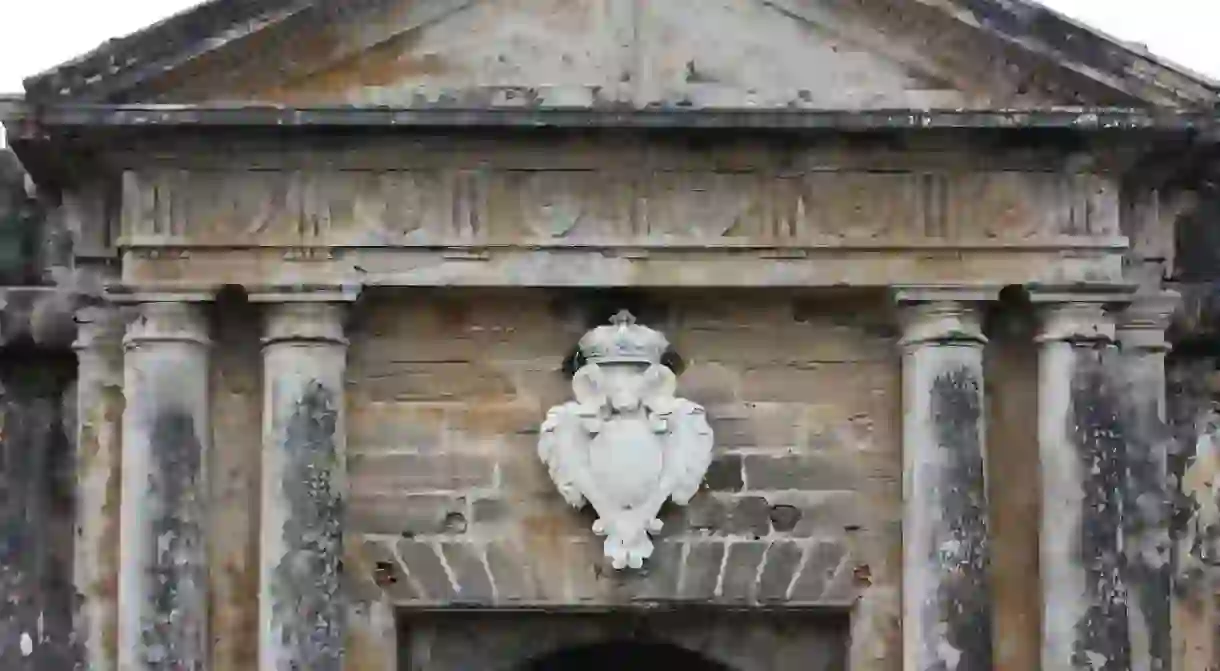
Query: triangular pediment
(763, 54)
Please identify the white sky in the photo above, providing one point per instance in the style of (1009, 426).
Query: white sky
(40, 34)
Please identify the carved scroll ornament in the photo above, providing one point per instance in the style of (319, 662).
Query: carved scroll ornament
(626, 444)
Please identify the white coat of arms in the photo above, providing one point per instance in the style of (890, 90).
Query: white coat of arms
(626, 444)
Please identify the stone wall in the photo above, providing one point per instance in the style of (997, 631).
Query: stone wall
(36, 426)
(446, 394)
(1193, 397)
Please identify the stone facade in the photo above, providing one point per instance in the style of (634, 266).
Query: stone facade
(321, 311)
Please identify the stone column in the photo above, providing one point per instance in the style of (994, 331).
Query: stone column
(1081, 450)
(301, 607)
(99, 416)
(947, 606)
(163, 573)
(1148, 495)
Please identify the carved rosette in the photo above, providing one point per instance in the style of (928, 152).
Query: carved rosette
(626, 444)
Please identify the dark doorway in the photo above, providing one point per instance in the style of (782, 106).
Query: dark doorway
(618, 656)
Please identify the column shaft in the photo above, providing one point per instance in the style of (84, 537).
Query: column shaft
(302, 609)
(946, 596)
(1147, 496)
(1081, 448)
(99, 415)
(163, 605)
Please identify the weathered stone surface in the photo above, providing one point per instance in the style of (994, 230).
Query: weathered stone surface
(422, 562)
(701, 573)
(509, 567)
(467, 565)
(378, 558)
(36, 615)
(748, 516)
(725, 474)
(782, 561)
(823, 559)
(392, 473)
(739, 582)
(410, 515)
(797, 472)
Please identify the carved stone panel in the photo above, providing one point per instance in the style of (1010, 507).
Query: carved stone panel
(626, 444)
(612, 207)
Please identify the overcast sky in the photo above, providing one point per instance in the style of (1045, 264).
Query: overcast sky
(39, 34)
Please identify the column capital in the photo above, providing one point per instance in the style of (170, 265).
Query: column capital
(309, 322)
(167, 321)
(1143, 323)
(942, 314)
(98, 326)
(305, 314)
(941, 322)
(1072, 321)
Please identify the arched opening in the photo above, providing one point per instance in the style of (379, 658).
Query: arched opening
(620, 655)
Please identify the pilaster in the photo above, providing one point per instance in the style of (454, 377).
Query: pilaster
(1148, 495)
(302, 606)
(163, 572)
(99, 415)
(947, 606)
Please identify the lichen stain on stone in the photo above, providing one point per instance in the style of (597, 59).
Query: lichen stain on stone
(963, 599)
(306, 587)
(1146, 512)
(171, 635)
(1096, 429)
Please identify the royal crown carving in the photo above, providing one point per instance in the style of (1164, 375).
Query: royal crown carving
(626, 444)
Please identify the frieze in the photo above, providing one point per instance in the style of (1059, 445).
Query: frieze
(611, 207)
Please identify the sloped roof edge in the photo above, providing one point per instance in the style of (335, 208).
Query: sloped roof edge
(123, 61)
(120, 64)
(1081, 47)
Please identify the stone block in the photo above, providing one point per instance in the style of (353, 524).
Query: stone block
(472, 583)
(801, 384)
(396, 473)
(706, 514)
(658, 579)
(739, 582)
(701, 570)
(447, 381)
(801, 514)
(497, 418)
(822, 472)
(408, 516)
(708, 383)
(748, 516)
(752, 425)
(522, 473)
(379, 426)
(511, 571)
(725, 474)
(377, 557)
(782, 560)
(823, 561)
(422, 561)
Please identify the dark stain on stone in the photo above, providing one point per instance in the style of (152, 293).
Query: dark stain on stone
(171, 636)
(784, 518)
(724, 474)
(36, 516)
(1146, 520)
(963, 604)
(308, 608)
(1097, 431)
